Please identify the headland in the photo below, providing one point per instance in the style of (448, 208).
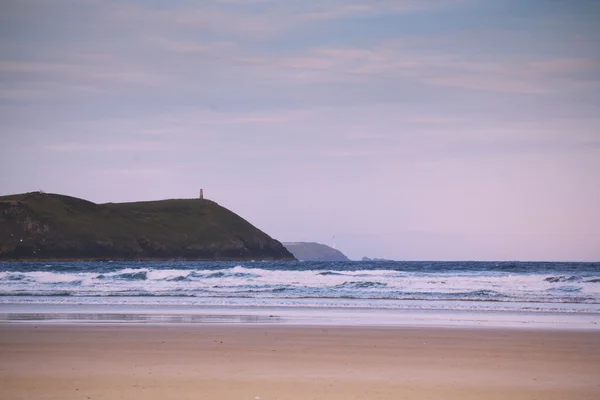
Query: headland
(43, 226)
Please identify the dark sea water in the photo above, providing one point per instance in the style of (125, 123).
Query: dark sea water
(574, 287)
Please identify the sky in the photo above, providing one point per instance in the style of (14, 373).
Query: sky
(405, 129)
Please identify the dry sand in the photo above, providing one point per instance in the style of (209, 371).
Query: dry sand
(288, 362)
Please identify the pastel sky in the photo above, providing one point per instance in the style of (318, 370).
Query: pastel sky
(410, 130)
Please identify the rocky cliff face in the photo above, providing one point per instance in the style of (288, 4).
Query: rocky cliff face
(39, 226)
(311, 251)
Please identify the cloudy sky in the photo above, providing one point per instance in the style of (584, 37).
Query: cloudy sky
(404, 129)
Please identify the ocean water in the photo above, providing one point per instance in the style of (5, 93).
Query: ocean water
(545, 291)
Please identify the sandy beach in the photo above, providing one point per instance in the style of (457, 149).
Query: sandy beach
(290, 362)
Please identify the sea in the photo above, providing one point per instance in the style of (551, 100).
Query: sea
(555, 295)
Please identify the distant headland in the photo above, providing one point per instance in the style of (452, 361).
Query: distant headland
(46, 226)
(310, 251)
(374, 259)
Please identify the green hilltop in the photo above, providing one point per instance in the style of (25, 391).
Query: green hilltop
(44, 226)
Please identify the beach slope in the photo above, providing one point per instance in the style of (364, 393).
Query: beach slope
(288, 362)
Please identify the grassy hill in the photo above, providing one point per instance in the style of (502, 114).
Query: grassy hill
(51, 226)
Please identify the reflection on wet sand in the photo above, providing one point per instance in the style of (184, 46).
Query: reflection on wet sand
(139, 318)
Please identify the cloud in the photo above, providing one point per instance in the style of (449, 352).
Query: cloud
(32, 80)
(211, 50)
(329, 10)
(263, 18)
(192, 47)
(206, 16)
(79, 147)
(394, 60)
(565, 65)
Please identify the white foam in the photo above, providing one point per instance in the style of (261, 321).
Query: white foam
(259, 282)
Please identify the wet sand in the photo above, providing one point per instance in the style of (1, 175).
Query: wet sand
(291, 362)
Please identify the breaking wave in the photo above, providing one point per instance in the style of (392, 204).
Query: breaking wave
(498, 282)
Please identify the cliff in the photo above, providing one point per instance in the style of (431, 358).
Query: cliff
(40, 226)
(310, 251)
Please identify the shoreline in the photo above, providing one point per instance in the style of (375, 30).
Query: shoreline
(178, 315)
(293, 362)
